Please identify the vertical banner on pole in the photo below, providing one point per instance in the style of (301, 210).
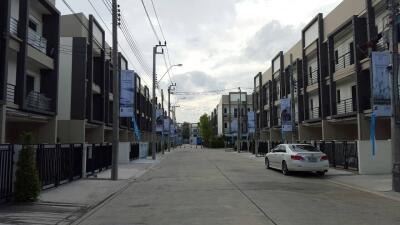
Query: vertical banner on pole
(251, 125)
(372, 132)
(381, 85)
(127, 94)
(159, 120)
(286, 115)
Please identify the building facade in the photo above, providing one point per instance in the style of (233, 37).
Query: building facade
(327, 75)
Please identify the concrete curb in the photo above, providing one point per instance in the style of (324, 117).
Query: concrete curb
(380, 194)
(95, 207)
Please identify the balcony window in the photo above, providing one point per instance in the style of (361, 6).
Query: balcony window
(345, 59)
(10, 93)
(13, 26)
(38, 101)
(312, 76)
(37, 41)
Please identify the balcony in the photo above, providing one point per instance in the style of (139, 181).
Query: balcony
(14, 26)
(10, 93)
(344, 61)
(37, 41)
(381, 45)
(345, 107)
(38, 101)
(314, 113)
(313, 76)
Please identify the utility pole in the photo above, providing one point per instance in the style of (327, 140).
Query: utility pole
(154, 101)
(395, 94)
(169, 115)
(115, 142)
(162, 132)
(239, 136)
(172, 120)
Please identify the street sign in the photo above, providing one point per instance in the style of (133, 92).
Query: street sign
(127, 96)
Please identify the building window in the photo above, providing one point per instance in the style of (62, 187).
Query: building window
(336, 57)
(32, 25)
(225, 111)
(235, 112)
(312, 103)
(30, 84)
(225, 125)
(338, 96)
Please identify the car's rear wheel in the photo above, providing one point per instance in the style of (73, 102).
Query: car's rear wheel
(285, 170)
(267, 163)
(321, 173)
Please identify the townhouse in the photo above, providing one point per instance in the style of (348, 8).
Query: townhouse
(29, 70)
(86, 93)
(327, 75)
(226, 116)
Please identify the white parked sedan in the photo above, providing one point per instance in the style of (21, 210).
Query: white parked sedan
(297, 157)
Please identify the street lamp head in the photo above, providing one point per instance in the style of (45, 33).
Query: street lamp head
(179, 64)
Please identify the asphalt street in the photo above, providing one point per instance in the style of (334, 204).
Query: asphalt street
(213, 187)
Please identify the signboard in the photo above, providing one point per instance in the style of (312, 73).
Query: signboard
(159, 120)
(127, 94)
(251, 124)
(381, 85)
(166, 125)
(286, 115)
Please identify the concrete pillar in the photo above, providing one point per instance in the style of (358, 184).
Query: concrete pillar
(47, 133)
(3, 119)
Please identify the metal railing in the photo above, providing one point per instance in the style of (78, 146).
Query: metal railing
(6, 172)
(10, 97)
(345, 106)
(341, 154)
(39, 101)
(381, 45)
(314, 113)
(37, 41)
(344, 61)
(313, 76)
(59, 164)
(13, 26)
(98, 158)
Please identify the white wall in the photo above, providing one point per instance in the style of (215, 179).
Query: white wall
(12, 67)
(380, 164)
(345, 89)
(65, 82)
(15, 9)
(33, 71)
(220, 118)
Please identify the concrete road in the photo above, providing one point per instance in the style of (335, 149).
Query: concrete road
(213, 187)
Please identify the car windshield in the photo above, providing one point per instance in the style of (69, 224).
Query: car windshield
(303, 148)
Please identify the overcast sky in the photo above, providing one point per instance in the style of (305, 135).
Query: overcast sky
(222, 44)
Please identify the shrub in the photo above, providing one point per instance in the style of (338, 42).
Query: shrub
(217, 142)
(27, 184)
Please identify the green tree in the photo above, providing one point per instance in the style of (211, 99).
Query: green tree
(185, 130)
(205, 129)
(27, 184)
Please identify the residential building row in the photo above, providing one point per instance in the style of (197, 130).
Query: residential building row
(332, 81)
(56, 78)
(230, 114)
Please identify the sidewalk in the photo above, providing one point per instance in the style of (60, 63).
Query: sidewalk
(68, 202)
(376, 184)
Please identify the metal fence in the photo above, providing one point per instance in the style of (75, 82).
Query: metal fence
(98, 158)
(6, 171)
(58, 164)
(134, 153)
(341, 154)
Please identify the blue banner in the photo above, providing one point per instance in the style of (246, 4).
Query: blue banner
(127, 94)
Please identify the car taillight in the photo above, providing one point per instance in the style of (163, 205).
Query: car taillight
(324, 157)
(297, 157)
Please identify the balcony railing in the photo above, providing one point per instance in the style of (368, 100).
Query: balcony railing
(381, 45)
(314, 113)
(344, 61)
(37, 41)
(13, 26)
(38, 101)
(345, 106)
(313, 76)
(10, 93)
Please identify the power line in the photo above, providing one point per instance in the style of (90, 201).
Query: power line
(150, 22)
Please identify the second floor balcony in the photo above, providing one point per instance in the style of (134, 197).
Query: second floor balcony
(313, 76)
(13, 26)
(10, 93)
(37, 41)
(344, 61)
(39, 101)
(314, 113)
(345, 107)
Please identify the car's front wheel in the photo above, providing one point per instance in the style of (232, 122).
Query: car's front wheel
(285, 170)
(267, 163)
(321, 173)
